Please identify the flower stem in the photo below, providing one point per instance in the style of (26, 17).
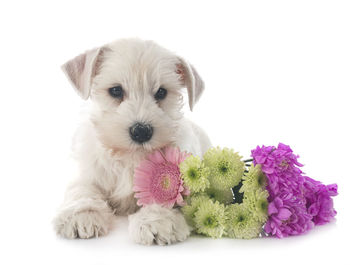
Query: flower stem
(237, 196)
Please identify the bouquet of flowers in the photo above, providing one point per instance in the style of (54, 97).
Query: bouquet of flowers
(223, 195)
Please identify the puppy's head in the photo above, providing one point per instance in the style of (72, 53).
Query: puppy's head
(135, 87)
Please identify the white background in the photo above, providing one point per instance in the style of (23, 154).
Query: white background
(275, 71)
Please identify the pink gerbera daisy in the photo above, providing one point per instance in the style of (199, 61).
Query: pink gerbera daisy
(157, 179)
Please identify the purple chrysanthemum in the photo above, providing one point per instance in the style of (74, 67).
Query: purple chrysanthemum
(280, 166)
(296, 202)
(318, 200)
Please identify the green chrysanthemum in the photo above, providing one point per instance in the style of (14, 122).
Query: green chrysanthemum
(192, 206)
(240, 224)
(257, 203)
(254, 179)
(222, 196)
(226, 167)
(210, 219)
(195, 176)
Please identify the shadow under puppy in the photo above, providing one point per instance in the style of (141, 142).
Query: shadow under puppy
(134, 88)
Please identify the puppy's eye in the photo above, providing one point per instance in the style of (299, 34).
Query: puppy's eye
(116, 92)
(161, 94)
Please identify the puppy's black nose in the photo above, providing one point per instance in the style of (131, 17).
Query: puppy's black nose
(141, 132)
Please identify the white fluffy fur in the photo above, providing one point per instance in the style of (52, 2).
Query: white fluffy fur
(104, 150)
(158, 224)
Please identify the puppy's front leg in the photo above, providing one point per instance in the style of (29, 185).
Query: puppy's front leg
(159, 225)
(84, 213)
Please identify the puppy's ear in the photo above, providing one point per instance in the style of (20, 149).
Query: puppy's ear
(81, 70)
(191, 80)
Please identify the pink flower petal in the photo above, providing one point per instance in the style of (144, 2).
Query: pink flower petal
(171, 154)
(156, 157)
(186, 191)
(179, 199)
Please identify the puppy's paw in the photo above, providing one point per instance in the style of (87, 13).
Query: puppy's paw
(84, 224)
(159, 225)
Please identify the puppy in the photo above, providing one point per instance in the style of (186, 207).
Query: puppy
(135, 91)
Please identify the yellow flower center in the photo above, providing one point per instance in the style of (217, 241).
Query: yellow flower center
(165, 182)
(284, 164)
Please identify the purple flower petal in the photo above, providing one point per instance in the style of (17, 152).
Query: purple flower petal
(272, 208)
(284, 214)
(313, 209)
(278, 202)
(332, 189)
(260, 159)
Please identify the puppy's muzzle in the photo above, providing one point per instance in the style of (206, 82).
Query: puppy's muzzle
(141, 132)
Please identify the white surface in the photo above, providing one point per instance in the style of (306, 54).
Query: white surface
(274, 70)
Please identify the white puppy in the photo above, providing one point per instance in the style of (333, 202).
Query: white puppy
(136, 101)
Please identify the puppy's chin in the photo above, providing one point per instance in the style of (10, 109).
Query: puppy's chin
(147, 147)
(135, 147)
